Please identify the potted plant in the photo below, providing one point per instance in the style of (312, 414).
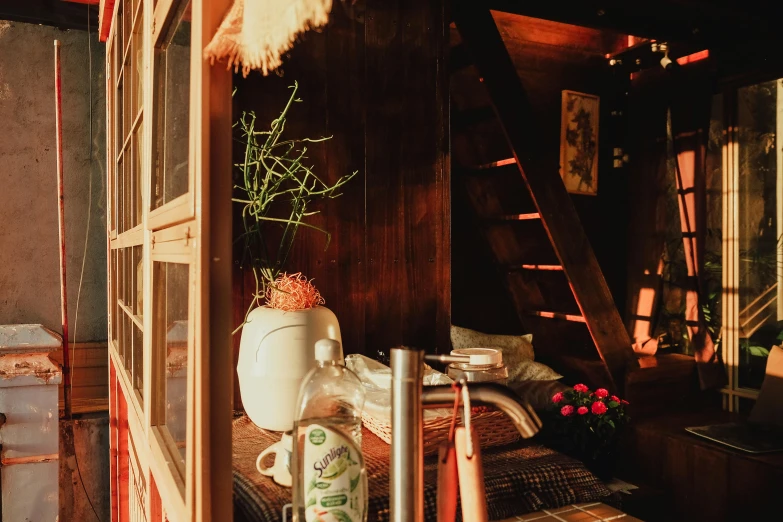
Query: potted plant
(276, 190)
(587, 425)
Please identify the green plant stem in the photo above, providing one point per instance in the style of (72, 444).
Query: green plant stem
(276, 188)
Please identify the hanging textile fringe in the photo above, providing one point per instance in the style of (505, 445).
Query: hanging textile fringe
(255, 33)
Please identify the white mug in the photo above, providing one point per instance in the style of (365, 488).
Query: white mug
(280, 471)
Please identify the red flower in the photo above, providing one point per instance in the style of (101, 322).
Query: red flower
(582, 410)
(615, 398)
(567, 410)
(598, 408)
(581, 388)
(601, 393)
(625, 402)
(557, 397)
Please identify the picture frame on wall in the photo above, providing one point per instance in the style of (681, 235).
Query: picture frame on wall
(579, 142)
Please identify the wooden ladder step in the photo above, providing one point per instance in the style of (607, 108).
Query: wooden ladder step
(551, 268)
(459, 58)
(487, 168)
(469, 117)
(575, 318)
(515, 217)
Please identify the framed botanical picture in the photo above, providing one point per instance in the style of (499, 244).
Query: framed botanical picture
(579, 142)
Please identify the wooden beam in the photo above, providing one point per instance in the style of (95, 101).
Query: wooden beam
(562, 224)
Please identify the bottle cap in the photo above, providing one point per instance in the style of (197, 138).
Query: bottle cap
(327, 350)
(481, 356)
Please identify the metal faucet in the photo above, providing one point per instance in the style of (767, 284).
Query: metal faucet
(409, 398)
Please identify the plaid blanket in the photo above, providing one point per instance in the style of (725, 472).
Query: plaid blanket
(519, 479)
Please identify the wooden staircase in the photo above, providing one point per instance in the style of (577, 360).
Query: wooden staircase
(526, 215)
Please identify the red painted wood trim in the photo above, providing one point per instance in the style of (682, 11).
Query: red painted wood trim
(61, 221)
(123, 458)
(156, 505)
(105, 18)
(113, 438)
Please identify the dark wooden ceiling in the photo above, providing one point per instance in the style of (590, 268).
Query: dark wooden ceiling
(57, 13)
(706, 21)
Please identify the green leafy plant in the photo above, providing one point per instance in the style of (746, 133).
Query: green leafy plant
(277, 190)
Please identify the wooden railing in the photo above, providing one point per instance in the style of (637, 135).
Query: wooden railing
(753, 316)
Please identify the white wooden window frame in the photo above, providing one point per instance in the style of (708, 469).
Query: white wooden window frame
(180, 231)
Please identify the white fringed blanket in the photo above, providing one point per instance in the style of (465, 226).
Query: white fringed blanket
(255, 33)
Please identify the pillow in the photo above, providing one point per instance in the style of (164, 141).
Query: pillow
(538, 394)
(517, 352)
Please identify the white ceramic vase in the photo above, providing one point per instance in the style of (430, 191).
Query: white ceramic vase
(276, 351)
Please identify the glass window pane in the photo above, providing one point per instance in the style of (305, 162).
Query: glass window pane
(118, 33)
(126, 341)
(120, 194)
(118, 127)
(127, 110)
(119, 279)
(137, 177)
(138, 275)
(127, 21)
(712, 275)
(172, 105)
(759, 222)
(137, 48)
(112, 294)
(128, 276)
(171, 282)
(127, 190)
(138, 360)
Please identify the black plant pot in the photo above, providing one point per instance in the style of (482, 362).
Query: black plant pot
(600, 462)
(603, 466)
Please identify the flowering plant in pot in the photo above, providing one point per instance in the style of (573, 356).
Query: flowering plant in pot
(276, 190)
(587, 424)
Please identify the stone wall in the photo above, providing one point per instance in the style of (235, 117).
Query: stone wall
(29, 243)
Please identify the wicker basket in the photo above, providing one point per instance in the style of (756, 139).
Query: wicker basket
(493, 426)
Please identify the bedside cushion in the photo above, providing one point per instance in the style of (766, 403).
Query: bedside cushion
(538, 394)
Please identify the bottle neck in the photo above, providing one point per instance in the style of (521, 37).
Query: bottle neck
(325, 363)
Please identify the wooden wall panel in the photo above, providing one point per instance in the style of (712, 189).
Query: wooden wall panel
(407, 180)
(89, 376)
(346, 267)
(710, 473)
(373, 79)
(700, 479)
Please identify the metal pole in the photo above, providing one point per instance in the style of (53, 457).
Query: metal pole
(61, 219)
(406, 489)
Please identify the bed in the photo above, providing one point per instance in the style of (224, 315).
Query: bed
(520, 478)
